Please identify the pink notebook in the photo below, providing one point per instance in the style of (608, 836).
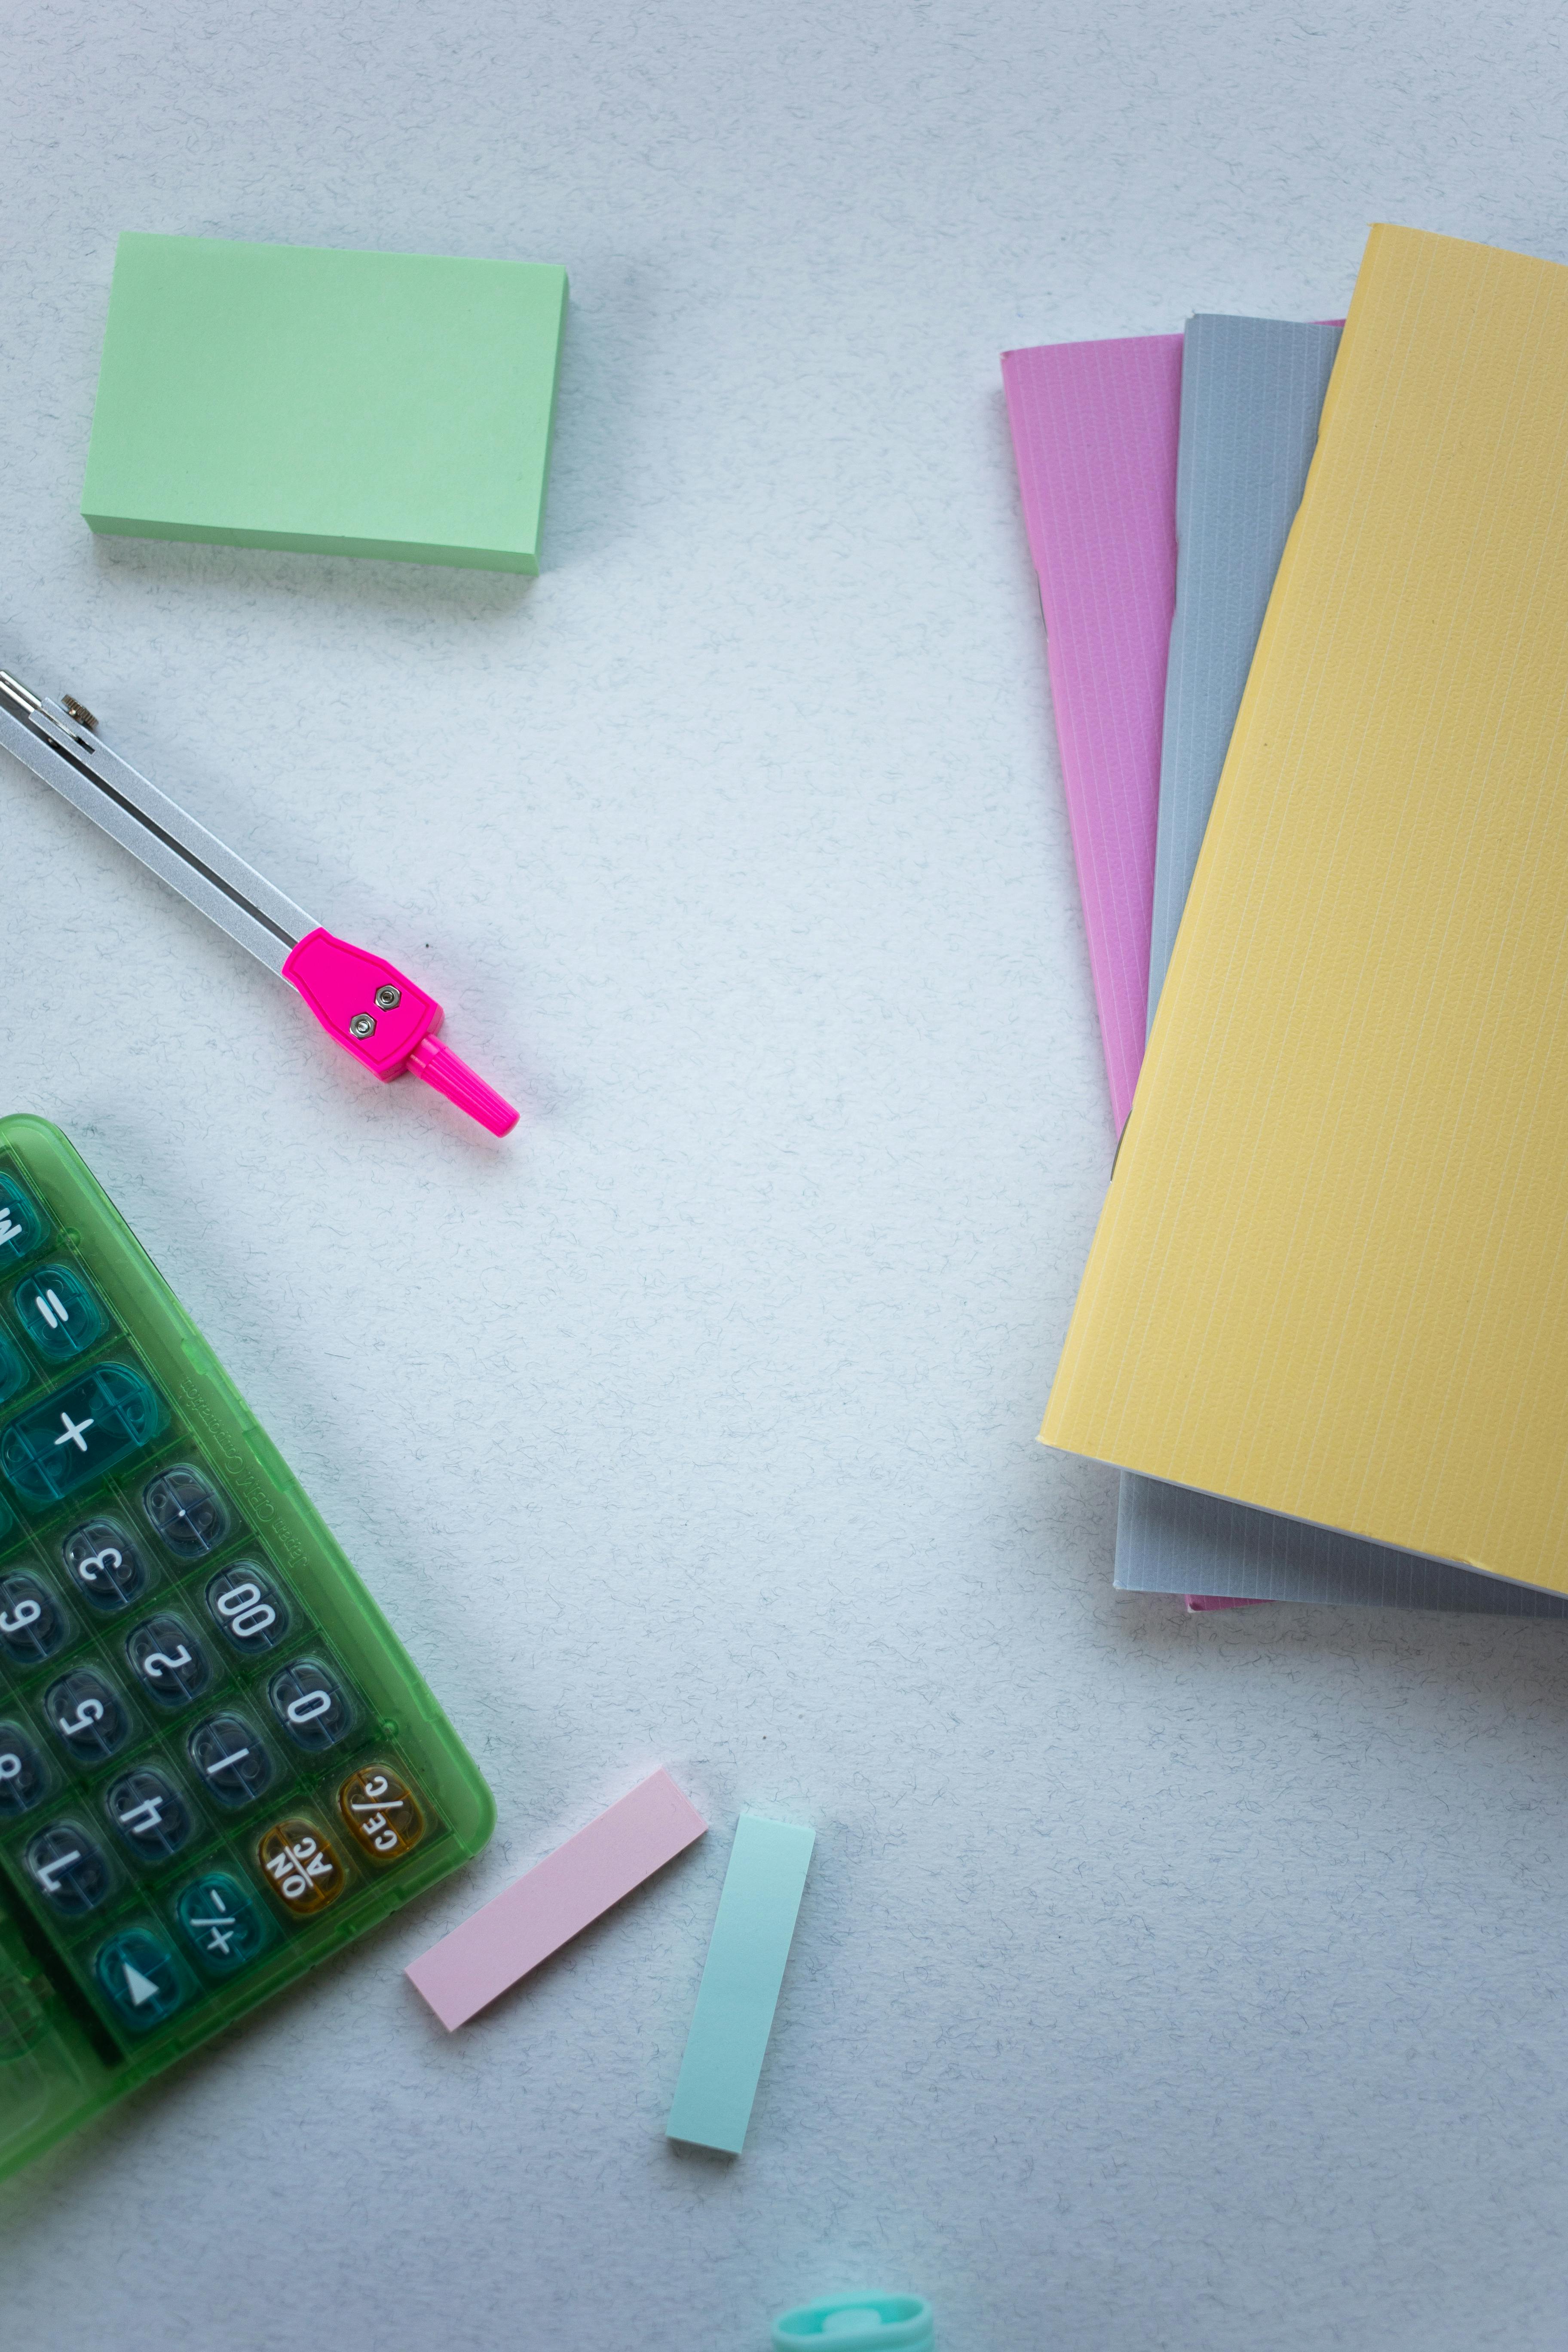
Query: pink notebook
(1094, 432)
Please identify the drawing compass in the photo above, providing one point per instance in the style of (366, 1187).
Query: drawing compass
(378, 1014)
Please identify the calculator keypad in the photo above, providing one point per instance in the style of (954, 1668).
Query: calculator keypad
(311, 1705)
(186, 1512)
(69, 1870)
(169, 1661)
(60, 1313)
(247, 1608)
(22, 1224)
(14, 1369)
(223, 1923)
(86, 1714)
(76, 1435)
(151, 1815)
(234, 1762)
(382, 1814)
(302, 1867)
(142, 1978)
(33, 1625)
(189, 1778)
(105, 1564)
(23, 1776)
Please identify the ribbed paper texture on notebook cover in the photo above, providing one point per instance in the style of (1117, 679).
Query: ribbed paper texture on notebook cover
(1252, 390)
(1330, 1278)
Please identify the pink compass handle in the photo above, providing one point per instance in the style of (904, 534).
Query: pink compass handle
(388, 1022)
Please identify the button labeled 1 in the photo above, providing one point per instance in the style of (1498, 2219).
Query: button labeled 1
(232, 1757)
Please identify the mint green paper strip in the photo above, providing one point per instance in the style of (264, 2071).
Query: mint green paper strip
(740, 1988)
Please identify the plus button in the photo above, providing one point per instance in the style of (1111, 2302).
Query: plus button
(74, 1432)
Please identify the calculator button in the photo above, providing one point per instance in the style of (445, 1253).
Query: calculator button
(21, 1221)
(87, 1713)
(140, 1976)
(247, 1607)
(80, 1432)
(224, 1925)
(231, 1759)
(150, 1814)
(309, 1704)
(60, 1313)
(186, 1511)
(22, 1773)
(33, 1625)
(171, 1663)
(15, 1371)
(382, 1813)
(302, 1867)
(69, 1871)
(104, 1564)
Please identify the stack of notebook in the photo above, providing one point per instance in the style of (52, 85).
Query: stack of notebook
(1306, 596)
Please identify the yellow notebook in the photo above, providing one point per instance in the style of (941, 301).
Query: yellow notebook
(1331, 1274)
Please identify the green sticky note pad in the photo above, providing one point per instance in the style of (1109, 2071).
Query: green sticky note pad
(347, 403)
(741, 1981)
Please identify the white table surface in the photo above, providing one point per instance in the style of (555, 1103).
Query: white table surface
(1161, 1982)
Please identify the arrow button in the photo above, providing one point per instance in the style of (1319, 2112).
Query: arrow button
(141, 1979)
(141, 1988)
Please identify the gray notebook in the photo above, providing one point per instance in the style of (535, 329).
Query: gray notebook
(1251, 392)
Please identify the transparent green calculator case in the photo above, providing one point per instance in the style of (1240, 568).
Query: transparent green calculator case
(218, 1765)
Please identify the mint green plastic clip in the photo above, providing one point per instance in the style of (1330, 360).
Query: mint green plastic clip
(858, 2323)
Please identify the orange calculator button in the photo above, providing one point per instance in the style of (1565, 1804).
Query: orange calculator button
(301, 1866)
(382, 1812)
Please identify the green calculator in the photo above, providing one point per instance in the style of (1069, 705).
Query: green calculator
(218, 1765)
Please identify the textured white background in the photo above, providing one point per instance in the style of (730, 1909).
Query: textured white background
(1161, 1983)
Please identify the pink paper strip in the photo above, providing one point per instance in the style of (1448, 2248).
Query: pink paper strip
(1095, 429)
(557, 1900)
